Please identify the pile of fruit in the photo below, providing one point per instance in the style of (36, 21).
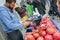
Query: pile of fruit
(45, 31)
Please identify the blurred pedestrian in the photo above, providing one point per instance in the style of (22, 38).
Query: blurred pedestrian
(40, 5)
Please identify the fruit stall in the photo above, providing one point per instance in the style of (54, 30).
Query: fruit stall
(46, 30)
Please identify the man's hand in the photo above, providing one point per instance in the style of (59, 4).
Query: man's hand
(26, 23)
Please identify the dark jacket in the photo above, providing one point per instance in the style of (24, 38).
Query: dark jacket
(39, 6)
(53, 8)
(54, 5)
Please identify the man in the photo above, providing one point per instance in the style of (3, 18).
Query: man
(10, 23)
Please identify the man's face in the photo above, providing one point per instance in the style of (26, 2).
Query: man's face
(12, 5)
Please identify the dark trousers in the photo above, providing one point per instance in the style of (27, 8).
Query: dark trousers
(15, 35)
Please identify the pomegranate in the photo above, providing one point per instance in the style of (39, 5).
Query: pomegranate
(25, 38)
(40, 38)
(42, 33)
(43, 27)
(29, 37)
(50, 30)
(36, 35)
(48, 37)
(56, 35)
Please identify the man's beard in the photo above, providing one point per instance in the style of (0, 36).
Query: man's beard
(11, 9)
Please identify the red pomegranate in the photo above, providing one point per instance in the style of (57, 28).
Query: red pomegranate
(42, 33)
(48, 37)
(40, 38)
(29, 37)
(36, 35)
(56, 35)
(50, 30)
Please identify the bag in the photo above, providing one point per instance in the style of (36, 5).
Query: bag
(30, 9)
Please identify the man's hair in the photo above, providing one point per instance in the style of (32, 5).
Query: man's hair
(10, 1)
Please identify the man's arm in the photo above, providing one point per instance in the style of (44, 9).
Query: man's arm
(9, 23)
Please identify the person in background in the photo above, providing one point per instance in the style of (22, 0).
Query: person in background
(43, 3)
(23, 3)
(54, 9)
(10, 24)
(59, 7)
(38, 4)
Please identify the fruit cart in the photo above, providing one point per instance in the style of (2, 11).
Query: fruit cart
(47, 30)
